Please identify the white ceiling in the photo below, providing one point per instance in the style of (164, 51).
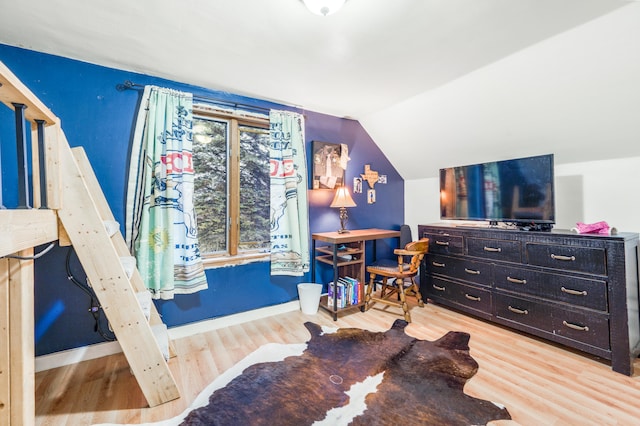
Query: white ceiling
(369, 58)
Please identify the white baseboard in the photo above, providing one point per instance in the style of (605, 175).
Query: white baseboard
(73, 356)
(85, 353)
(229, 320)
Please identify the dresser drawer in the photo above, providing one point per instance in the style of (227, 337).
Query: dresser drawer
(581, 259)
(585, 327)
(508, 251)
(462, 269)
(444, 243)
(450, 292)
(592, 329)
(523, 311)
(576, 291)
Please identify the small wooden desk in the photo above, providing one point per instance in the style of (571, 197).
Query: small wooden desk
(354, 241)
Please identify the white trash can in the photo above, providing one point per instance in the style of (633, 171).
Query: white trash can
(309, 295)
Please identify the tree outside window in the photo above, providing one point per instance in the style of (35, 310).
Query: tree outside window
(231, 197)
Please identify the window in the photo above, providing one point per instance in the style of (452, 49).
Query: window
(231, 195)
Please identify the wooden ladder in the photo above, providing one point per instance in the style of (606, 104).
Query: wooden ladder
(83, 215)
(76, 214)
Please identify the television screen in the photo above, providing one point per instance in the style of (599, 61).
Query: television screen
(519, 190)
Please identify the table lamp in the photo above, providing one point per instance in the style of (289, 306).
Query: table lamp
(343, 199)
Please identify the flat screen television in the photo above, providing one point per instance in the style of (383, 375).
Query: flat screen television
(518, 191)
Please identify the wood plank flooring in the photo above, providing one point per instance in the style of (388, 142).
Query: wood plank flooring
(540, 383)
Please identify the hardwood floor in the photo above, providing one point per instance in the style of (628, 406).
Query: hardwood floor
(539, 383)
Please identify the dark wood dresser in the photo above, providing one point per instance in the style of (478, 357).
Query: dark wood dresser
(577, 290)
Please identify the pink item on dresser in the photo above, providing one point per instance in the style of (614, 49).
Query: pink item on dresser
(601, 227)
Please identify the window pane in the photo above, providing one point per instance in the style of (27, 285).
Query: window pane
(254, 188)
(210, 193)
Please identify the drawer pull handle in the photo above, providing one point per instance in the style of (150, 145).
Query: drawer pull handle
(492, 249)
(573, 292)
(438, 264)
(470, 297)
(565, 258)
(438, 288)
(442, 243)
(518, 311)
(516, 280)
(471, 271)
(576, 326)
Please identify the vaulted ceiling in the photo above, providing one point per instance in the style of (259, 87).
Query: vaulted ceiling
(367, 62)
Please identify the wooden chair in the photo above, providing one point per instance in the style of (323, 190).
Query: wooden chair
(402, 276)
(392, 261)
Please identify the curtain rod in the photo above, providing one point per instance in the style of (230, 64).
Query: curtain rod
(128, 84)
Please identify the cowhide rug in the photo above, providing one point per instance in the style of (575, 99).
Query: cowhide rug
(347, 377)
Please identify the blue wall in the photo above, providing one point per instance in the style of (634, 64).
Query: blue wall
(98, 117)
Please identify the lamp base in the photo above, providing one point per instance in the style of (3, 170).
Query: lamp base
(343, 221)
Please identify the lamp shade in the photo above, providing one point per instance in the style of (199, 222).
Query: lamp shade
(324, 7)
(342, 198)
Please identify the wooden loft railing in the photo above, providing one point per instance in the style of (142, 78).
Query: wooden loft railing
(23, 228)
(67, 205)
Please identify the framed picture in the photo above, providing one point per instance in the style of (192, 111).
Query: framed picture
(329, 165)
(357, 185)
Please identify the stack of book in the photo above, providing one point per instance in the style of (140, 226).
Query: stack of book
(349, 292)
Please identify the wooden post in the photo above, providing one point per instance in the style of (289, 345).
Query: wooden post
(5, 373)
(41, 162)
(37, 172)
(21, 147)
(21, 340)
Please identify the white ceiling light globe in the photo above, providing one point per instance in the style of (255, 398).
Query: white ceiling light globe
(324, 7)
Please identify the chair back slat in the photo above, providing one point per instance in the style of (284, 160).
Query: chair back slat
(421, 247)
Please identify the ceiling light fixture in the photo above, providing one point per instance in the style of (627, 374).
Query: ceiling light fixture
(324, 7)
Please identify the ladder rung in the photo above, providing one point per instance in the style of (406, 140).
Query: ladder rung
(112, 227)
(162, 337)
(129, 264)
(144, 298)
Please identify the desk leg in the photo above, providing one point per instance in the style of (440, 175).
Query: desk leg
(335, 282)
(313, 264)
(363, 272)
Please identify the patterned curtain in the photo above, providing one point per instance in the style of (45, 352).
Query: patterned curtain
(289, 208)
(161, 225)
